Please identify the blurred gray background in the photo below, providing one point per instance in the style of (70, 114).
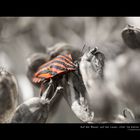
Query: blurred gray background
(22, 36)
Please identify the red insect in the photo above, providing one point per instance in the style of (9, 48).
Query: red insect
(60, 65)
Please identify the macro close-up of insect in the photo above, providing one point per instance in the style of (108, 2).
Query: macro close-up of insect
(69, 70)
(60, 65)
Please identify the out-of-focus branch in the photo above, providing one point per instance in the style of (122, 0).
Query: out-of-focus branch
(122, 78)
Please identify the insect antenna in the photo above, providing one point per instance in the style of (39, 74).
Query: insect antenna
(81, 53)
(83, 49)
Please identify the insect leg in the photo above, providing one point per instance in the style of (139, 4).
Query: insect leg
(53, 87)
(77, 74)
(41, 90)
(48, 90)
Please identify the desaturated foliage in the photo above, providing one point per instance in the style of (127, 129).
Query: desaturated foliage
(109, 82)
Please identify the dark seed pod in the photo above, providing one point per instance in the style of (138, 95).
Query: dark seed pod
(33, 63)
(131, 37)
(8, 95)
